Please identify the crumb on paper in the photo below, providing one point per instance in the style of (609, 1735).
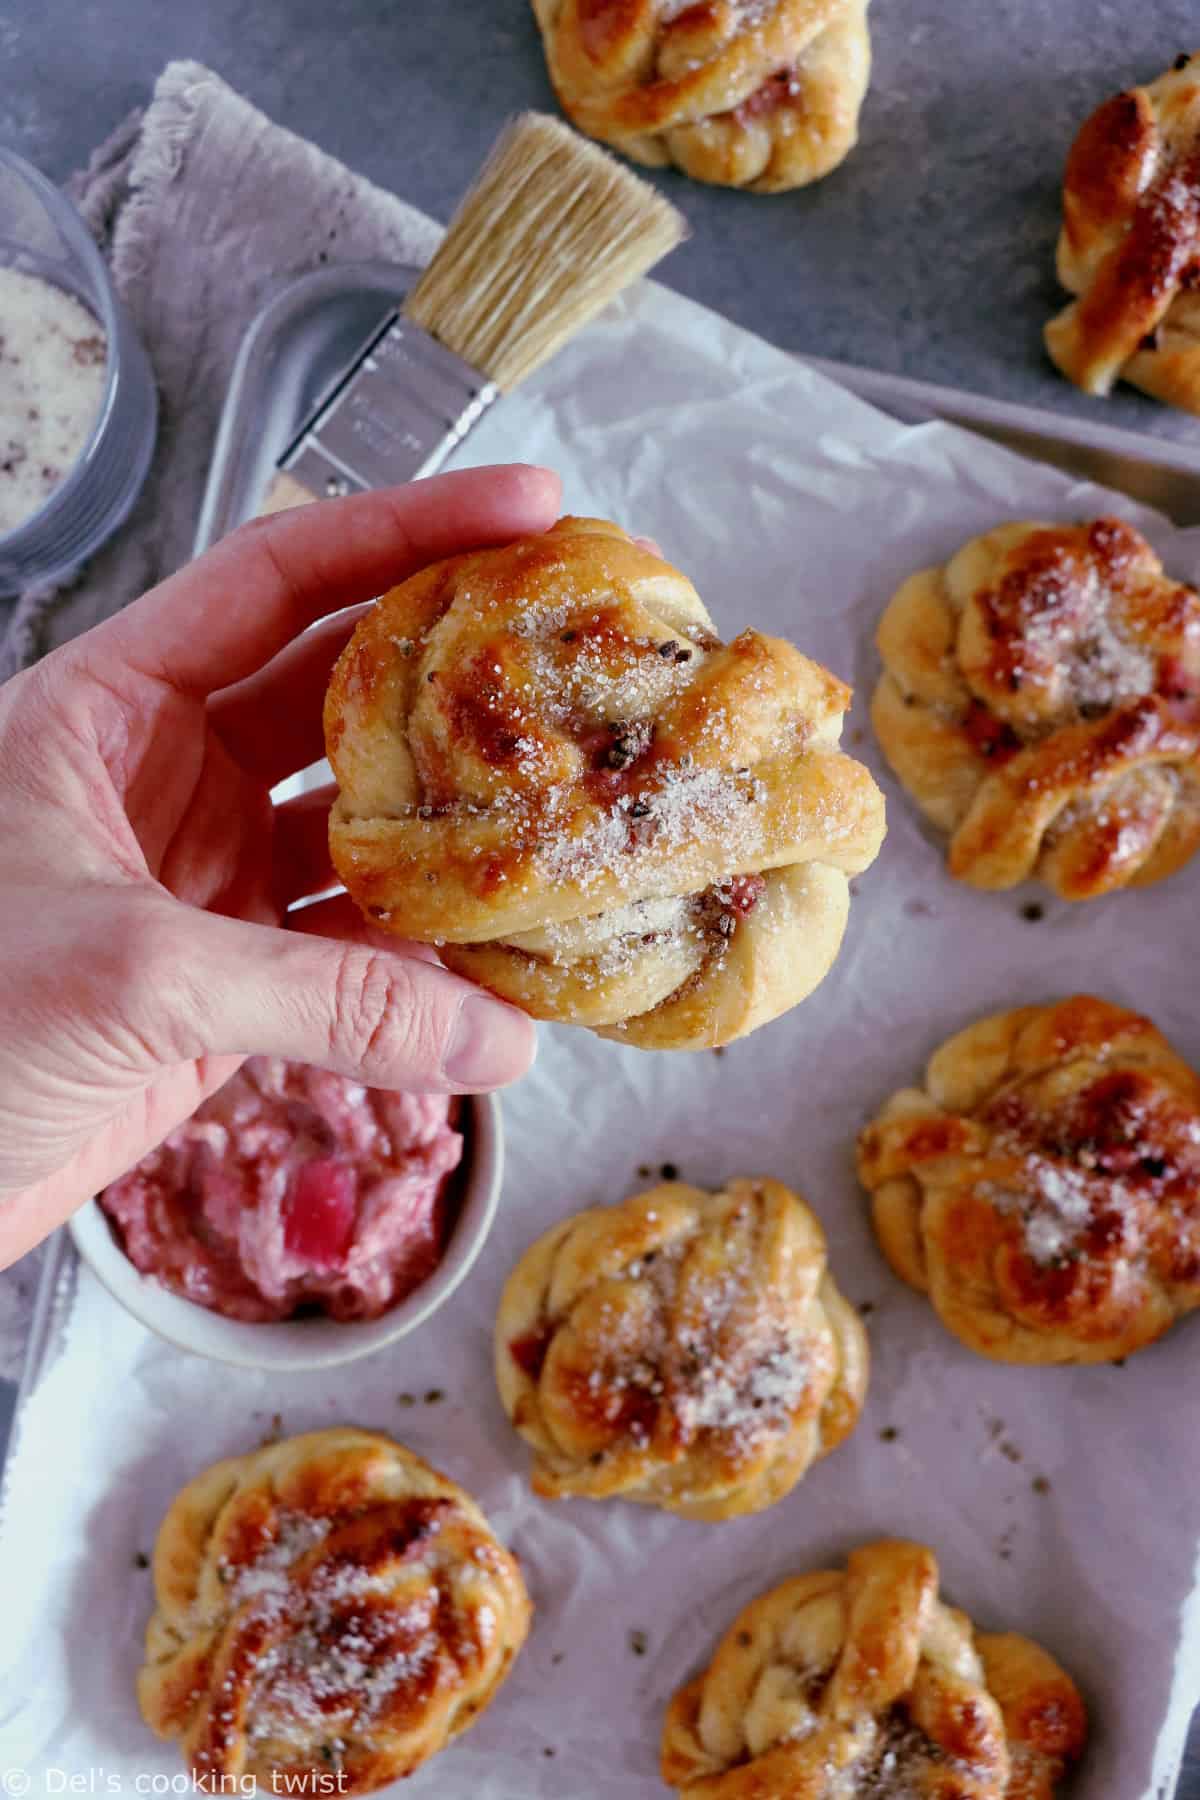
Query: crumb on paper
(274, 1431)
(1033, 911)
(1040, 1484)
(638, 1642)
(889, 1434)
(433, 1396)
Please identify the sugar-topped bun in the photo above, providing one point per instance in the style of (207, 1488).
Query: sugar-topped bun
(685, 1349)
(328, 1607)
(1130, 243)
(1043, 1187)
(862, 1682)
(551, 767)
(758, 94)
(1040, 700)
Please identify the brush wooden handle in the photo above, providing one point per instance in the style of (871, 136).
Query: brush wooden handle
(283, 493)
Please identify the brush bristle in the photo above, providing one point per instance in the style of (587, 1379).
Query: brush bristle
(551, 231)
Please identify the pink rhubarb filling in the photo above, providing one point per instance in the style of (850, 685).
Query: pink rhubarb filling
(292, 1189)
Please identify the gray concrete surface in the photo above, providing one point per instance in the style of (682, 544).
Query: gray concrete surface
(929, 253)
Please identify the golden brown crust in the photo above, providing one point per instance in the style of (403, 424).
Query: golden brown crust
(1041, 702)
(1044, 1186)
(1044, 1717)
(862, 1681)
(1130, 244)
(684, 1349)
(326, 1605)
(551, 765)
(757, 94)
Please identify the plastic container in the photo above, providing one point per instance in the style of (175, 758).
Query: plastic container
(41, 234)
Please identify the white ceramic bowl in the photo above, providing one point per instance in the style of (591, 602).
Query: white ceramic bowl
(308, 1343)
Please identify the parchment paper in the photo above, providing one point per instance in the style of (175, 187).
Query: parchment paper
(799, 509)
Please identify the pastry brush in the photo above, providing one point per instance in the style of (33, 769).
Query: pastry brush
(551, 231)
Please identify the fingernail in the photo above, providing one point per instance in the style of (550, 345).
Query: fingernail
(490, 1044)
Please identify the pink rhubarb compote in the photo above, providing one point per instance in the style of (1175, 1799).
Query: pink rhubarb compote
(291, 1189)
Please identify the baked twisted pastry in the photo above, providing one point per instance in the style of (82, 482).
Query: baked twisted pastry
(759, 94)
(1044, 1186)
(860, 1681)
(685, 1349)
(1130, 243)
(1041, 702)
(327, 1606)
(551, 767)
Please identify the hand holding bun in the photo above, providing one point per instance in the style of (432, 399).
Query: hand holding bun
(1040, 699)
(862, 1681)
(1130, 244)
(330, 1607)
(1043, 1186)
(685, 1349)
(551, 767)
(759, 94)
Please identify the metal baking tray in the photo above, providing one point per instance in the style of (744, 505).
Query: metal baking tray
(300, 344)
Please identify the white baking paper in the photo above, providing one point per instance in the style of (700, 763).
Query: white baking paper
(797, 509)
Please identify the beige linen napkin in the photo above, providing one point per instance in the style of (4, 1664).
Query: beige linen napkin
(203, 207)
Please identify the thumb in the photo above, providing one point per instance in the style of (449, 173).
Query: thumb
(375, 1015)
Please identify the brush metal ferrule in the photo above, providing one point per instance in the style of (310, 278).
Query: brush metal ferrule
(395, 415)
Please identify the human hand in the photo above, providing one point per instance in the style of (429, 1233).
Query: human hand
(146, 873)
